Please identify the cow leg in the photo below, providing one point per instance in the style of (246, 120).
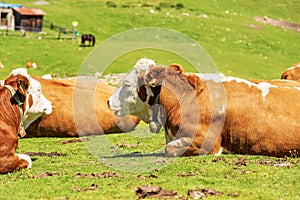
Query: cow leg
(187, 147)
(178, 147)
(26, 158)
(14, 162)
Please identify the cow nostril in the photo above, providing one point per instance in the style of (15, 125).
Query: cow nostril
(108, 103)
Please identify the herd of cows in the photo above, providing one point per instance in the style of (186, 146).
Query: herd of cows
(200, 113)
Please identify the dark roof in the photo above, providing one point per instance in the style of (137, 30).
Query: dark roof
(29, 11)
(9, 5)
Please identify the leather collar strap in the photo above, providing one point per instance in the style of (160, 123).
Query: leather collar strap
(20, 104)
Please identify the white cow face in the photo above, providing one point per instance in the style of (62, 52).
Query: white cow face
(36, 102)
(125, 99)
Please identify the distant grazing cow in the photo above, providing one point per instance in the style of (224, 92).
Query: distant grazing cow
(292, 73)
(204, 113)
(88, 37)
(75, 110)
(13, 104)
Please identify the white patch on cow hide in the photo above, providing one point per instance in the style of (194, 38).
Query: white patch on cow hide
(26, 158)
(219, 152)
(220, 78)
(263, 86)
(297, 88)
(215, 77)
(293, 67)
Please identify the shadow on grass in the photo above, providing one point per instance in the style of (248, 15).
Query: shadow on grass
(137, 155)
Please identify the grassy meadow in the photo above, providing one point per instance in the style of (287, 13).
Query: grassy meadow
(66, 168)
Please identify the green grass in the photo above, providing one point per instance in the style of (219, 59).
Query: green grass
(251, 177)
(235, 48)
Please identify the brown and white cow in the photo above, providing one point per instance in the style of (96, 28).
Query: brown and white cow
(13, 104)
(208, 112)
(292, 73)
(81, 109)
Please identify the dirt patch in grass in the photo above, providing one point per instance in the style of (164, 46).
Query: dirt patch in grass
(101, 175)
(123, 144)
(279, 23)
(92, 187)
(183, 174)
(148, 191)
(74, 141)
(142, 177)
(51, 154)
(70, 141)
(199, 194)
(46, 174)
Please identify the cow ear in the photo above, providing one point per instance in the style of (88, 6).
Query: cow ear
(195, 82)
(176, 67)
(142, 93)
(22, 84)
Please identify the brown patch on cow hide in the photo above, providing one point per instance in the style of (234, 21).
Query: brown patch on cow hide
(92, 175)
(46, 174)
(51, 154)
(92, 187)
(148, 191)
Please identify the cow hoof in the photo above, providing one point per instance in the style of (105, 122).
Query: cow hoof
(26, 158)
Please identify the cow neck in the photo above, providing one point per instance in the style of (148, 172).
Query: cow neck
(157, 94)
(20, 104)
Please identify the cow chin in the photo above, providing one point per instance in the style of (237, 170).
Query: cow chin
(154, 127)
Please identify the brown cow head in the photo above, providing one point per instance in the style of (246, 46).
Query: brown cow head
(20, 84)
(149, 91)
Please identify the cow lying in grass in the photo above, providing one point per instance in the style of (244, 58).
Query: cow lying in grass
(13, 104)
(292, 73)
(202, 114)
(81, 109)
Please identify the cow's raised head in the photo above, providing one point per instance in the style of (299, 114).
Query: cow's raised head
(149, 87)
(125, 99)
(36, 102)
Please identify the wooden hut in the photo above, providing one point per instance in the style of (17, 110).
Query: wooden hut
(28, 19)
(7, 19)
